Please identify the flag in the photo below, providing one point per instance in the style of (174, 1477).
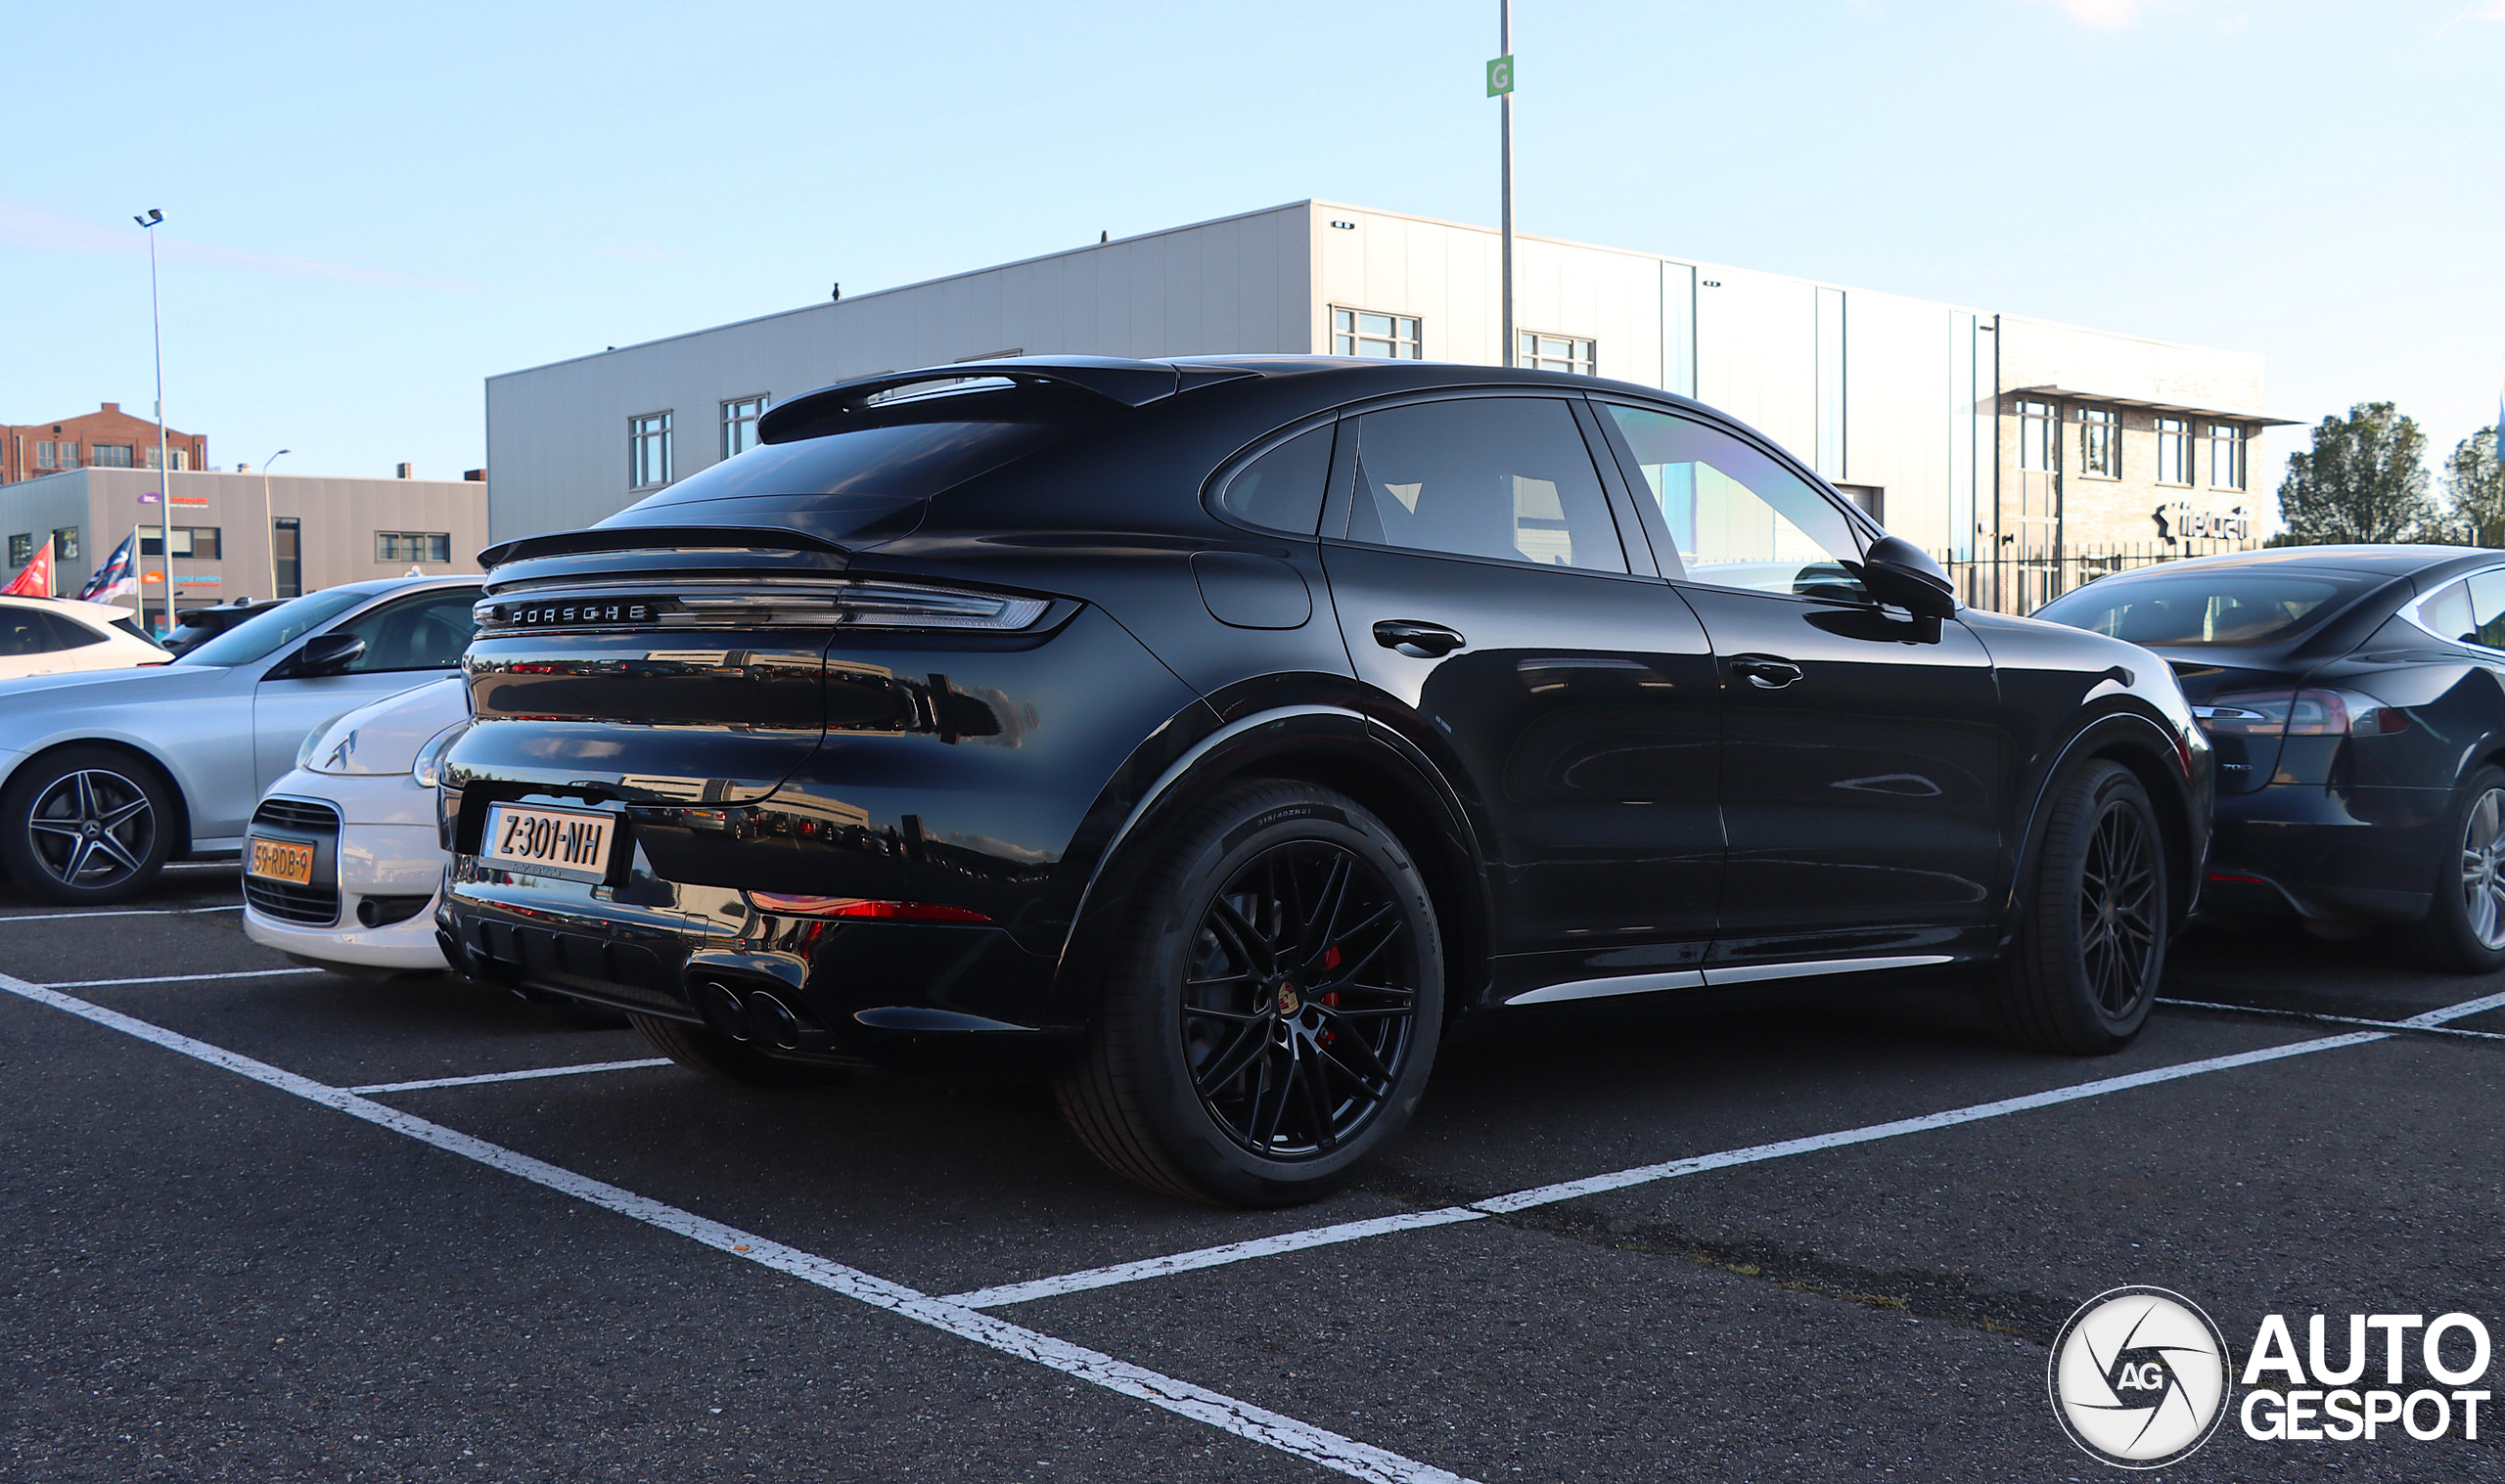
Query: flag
(119, 574)
(35, 581)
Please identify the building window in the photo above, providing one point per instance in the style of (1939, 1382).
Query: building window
(182, 459)
(65, 543)
(21, 550)
(1362, 332)
(43, 454)
(648, 450)
(197, 541)
(112, 456)
(2226, 456)
(2173, 451)
(413, 546)
(2099, 442)
(151, 456)
(1556, 352)
(2036, 445)
(287, 556)
(739, 424)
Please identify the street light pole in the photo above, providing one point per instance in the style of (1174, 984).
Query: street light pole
(1504, 130)
(269, 519)
(165, 484)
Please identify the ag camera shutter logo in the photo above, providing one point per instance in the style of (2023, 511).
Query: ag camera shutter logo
(2140, 1378)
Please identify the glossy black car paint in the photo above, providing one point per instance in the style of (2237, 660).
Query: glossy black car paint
(2346, 827)
(1594, 792)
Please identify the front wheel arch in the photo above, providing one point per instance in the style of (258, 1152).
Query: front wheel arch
(181, 832)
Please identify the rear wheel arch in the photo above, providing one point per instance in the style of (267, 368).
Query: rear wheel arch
(1335, 748)
(180, 825)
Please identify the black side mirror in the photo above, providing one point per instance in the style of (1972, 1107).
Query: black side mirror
(327, 655)
(1898, 573)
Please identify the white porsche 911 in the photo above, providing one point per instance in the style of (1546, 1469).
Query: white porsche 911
(340, 859)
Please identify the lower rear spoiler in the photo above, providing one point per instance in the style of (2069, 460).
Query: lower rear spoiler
(641, 538)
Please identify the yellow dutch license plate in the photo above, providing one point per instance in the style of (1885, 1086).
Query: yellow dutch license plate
(283, 861)
(565, 841)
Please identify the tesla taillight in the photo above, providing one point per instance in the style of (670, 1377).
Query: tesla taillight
(2300, 713)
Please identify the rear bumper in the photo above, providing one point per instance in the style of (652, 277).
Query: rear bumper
(2363, 853)
(877, 990)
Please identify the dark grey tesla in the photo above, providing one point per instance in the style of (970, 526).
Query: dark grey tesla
(2355, 696)
(1216, 729)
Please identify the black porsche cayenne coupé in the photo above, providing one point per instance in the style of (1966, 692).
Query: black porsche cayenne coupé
(1212, 731)
(2356, 697)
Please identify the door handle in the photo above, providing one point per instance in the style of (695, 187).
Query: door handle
(1417, 639)
(1765, 674)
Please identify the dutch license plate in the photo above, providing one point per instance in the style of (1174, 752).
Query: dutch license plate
(283, 861)
(575, 841)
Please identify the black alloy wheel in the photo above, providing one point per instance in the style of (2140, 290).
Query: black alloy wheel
(1302, 1000)
(85, 827)
(2464, 930)
(1272, 1012)
(2093, 920)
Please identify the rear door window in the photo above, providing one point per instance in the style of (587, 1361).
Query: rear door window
(1508, 478)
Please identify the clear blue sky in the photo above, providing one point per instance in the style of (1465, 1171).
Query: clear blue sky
(372, 209)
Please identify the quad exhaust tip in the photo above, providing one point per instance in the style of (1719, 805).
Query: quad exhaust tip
(751, 1017)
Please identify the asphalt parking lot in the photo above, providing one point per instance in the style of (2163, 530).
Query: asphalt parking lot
(271, 1224)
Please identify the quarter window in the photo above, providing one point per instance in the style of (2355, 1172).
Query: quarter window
(2226, 456)
(1503, 477)
(1362, 332)
(1556, 352)
(2099, 442)
(1736, 516)
(2486, 611)
(648, 450)
(2173, 451)
(739, 424)
(1282, 489)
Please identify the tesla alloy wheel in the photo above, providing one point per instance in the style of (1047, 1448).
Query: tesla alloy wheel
(1269, 1020)
(2464, 930)
(2092, 927)
(85, 825)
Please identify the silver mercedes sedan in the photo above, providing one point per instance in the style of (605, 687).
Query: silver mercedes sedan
(103, 777)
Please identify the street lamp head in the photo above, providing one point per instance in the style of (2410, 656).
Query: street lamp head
(152, 217)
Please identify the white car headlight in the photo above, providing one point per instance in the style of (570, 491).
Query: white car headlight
(428, 771)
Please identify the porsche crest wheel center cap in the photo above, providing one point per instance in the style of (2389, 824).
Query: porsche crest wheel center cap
(1289, 1002)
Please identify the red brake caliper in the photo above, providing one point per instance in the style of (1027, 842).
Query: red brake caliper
(1330, 960)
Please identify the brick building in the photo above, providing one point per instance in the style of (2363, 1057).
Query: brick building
(107, 439)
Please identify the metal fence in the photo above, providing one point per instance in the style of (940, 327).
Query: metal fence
(2017, 581)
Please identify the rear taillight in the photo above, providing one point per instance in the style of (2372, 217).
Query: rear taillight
(2300, 713)
(862, 907)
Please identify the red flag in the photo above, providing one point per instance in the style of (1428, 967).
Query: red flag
(36, 580)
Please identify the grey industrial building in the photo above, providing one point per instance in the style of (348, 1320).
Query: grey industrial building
(1976, 433)
(246, 535)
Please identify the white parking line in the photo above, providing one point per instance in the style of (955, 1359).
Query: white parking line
(1672, 1169)
(118, 911)
(240, 973)
(1303, 1440)
(2463, 1011)
(521, 1076)
(2326, 1019)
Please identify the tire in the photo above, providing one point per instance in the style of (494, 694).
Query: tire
(2464, 930)
(1272, 1006)
(724, 1059)
(86, 826)
(2093, 923)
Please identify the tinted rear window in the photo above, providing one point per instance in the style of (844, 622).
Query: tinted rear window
(2201, 608)
(843, 481)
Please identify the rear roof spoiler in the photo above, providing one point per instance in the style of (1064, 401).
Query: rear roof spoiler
(1131, 383)
(638, 538)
